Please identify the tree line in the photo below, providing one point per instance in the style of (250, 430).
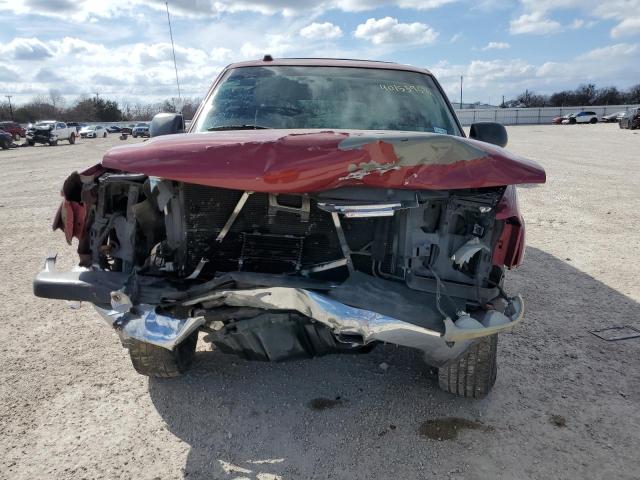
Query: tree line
(584, 95)
(92, 109)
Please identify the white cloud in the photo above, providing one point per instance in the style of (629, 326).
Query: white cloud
(493, 78)
(388, 30)
(8, 74)
(576, 24)
(496, 46)
(274, 44)
(535, 24)
(455, 37)
(321, 31)
(221, 54)
(26, 49)
(147, 54)
(617, 51)
(535, 18)
(627, 27)
(85, 10)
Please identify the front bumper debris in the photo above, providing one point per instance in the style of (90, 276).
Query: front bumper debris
(144, 324)
(349, 324)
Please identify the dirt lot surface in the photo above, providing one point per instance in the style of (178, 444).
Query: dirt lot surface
(566, 404)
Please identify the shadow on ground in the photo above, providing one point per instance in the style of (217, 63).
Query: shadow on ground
(344, 416)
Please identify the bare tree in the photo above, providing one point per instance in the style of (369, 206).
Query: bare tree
(56, 98)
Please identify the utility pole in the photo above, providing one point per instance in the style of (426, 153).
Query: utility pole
(10, 108)
(461, 92)
(97, 97)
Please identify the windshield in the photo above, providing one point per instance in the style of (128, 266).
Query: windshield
(327, 97)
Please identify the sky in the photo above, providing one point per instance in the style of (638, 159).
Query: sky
(121, 48)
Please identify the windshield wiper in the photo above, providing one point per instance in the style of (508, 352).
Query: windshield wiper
(237, 127)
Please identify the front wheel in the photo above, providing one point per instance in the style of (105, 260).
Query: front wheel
(72, 139)
(158, 362)
(593, 120)
(473, 374)
(31, 143)
(104, 135)
(53, 143)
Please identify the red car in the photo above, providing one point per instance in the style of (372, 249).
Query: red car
(315, 206)
(14, 129)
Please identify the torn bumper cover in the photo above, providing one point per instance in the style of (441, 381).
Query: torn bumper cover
(441, 343)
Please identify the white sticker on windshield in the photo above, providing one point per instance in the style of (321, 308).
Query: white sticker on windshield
(440, 130)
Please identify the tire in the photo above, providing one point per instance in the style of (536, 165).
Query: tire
(31, 143)
(134, 135)
(158, 362)
(472, 375)
(593, 121)
(72, 139)
(104, 135)
(53, 143)
(5, 145)
(572, 121)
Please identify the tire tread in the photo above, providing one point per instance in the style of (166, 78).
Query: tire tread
(158, 362)
(474, 374)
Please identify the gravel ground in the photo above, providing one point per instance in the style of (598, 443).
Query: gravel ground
(565, 404)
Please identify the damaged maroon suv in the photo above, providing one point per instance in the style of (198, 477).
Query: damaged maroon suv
(313, 207)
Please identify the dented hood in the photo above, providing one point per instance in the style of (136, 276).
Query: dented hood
(294, 161)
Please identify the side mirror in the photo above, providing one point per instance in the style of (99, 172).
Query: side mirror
(489, 132)
(166, 124)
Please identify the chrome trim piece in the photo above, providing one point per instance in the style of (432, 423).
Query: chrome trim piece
(362, 211)
(144, 324)
(343, 320)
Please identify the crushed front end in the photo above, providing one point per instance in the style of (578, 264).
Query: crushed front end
(273, 276)
(334, 242)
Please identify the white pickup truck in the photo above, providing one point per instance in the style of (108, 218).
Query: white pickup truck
(50, 131)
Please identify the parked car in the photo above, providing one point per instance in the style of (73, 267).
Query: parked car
(581, 117)
(75, 125)
(140, 130)
(630, 119)
(315, 206)
(50, 132)
(114, 129)
(612, 117)
(93, 131)
(15, 129)
(6, 140)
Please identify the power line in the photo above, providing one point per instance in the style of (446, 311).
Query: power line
(175, 65)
